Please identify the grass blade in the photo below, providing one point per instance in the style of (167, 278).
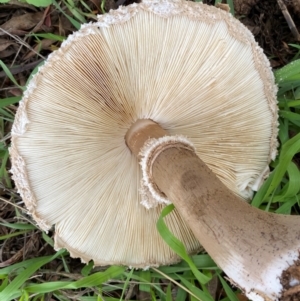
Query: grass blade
(86, 282)
(14, 286)
(9, 75)
(229, 292)
(176, 245)
(288, 150)
(9, 101)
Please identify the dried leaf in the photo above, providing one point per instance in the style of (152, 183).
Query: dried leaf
(44, 44)
(27, 248)
(3, 15)
(15, 92)
(64, 26)
(97, 3)
(242, 297)
(7, 53)
(5, 43)
(16, 3)
(22, 23)
(213, 287)
(48, 22)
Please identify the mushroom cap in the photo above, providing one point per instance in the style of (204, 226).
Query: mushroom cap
(193, 69)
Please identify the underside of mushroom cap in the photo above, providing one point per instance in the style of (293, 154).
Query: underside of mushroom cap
(191, 68)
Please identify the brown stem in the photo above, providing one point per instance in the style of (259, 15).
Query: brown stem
(140, 132)
(253, 247)
(230, 230)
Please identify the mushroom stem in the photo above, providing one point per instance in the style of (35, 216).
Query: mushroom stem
(258, 250)
(140, 132)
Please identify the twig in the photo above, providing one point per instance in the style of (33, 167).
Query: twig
(14, 205)
(18, 69)
(289, 20)
(21, 42)
(175, 282)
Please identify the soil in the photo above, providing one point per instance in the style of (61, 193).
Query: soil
(290, 280)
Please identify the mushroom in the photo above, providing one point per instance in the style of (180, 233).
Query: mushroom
(259, 251)
(164, 70)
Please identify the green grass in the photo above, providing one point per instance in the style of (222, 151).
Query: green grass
(57, 276)
(281, 190)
